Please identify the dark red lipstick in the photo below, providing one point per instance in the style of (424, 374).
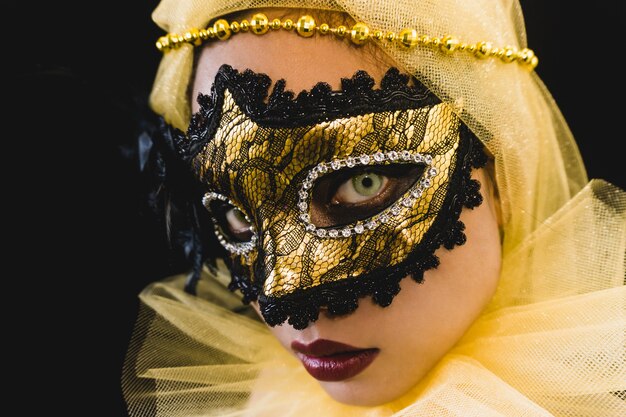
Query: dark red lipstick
(326, 360)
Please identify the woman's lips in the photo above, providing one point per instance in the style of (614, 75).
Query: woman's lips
(326, 360)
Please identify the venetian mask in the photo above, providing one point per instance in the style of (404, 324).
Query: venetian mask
(325, 197)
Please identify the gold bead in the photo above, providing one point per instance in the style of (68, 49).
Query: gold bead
(423, 39)
(244, 25)
(526, 55)
(275, 24)
(234, 27)
(359, 33)
(449, 44)
(483, 49)
(390, 36)
(497, 52)
(222, 29)
(165, 42)
(204, 34)
(341, 31)
(407, 38)
(259, 24)
(173, 39)
(528, 58)
(210, 32)
(159, 45)
(324, 28)
(462, 47)
(306, 26)
(378, 35)
(192, 37)
(195, 34)
(510, 54)
(288, 24)
(435, 42)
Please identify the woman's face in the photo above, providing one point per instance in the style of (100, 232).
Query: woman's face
(424, 320)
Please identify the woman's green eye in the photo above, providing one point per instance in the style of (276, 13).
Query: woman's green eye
(349, 195)
(360, 188)
(367, 184)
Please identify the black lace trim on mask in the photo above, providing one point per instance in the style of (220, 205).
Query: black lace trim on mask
(282, 108)
(341, 297)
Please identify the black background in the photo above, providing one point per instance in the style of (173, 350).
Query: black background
(84, 248)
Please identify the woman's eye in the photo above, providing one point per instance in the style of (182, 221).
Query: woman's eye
(237, 226)
(350, 195)
(231, 221)
(360, 188)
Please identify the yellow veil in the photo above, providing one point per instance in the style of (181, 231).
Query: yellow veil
(551, 342)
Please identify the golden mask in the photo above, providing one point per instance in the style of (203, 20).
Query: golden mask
(331, 196)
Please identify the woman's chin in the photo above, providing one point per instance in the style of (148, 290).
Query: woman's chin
(362, 393)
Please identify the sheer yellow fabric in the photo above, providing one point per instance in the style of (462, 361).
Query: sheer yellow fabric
(551, 342)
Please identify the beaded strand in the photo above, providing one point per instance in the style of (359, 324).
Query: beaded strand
(359, 34)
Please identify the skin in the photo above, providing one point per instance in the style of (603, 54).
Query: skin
(424, 320)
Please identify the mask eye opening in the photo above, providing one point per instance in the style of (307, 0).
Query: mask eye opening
(407, 200)
(229, 243)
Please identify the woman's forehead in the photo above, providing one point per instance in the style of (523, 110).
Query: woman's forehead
(301, 62)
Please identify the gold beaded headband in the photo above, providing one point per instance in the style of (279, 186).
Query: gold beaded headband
(360, 33)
